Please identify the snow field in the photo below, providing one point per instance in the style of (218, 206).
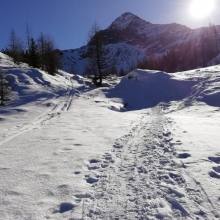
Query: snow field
(146, 148)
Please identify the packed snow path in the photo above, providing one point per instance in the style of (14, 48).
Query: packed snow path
(141, 179)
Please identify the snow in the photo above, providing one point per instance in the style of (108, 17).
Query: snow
(44, 163)
(123, 21)
(146, 147)
(6, 61)
(197, 129)
(73, 62)
(147, 88)
(45, 145)
(122, 56)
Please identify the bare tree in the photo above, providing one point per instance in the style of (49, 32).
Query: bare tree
(49, 57)
(28, 36)
(15, 49)
(97, 55)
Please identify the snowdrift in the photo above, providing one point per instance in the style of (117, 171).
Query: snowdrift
(146, 88)
(207, 84)
(29, 84)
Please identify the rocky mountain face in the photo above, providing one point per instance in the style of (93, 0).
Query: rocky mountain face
(132, 42)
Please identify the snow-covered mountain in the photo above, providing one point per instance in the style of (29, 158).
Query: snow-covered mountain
(130, 40)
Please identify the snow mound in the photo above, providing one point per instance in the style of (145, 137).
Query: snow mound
(5, 61)
(146, 88)
(207, 84)
(30, 84)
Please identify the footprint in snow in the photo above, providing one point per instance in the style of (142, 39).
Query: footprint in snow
(94, 161)
(117, 146)
(91, 179)
(183, 155)
(77, 172)
(216, 169)
(65, 207)
(94, 164)
(215, 159)
(214, 174)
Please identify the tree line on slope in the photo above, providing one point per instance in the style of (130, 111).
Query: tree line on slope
(188, 55)
(38, 53)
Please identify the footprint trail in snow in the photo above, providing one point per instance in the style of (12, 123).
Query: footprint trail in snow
(142, 179)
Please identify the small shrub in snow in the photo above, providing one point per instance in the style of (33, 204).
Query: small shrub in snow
(4, 89)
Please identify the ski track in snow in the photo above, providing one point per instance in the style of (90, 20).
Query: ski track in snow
(141, 179)
(62, 105)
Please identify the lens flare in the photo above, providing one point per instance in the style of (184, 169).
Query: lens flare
(200, 9)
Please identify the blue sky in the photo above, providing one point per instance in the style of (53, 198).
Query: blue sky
(68, 21)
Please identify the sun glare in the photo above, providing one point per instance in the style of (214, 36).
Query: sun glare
(201, 9)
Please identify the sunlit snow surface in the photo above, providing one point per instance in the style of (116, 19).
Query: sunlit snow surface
(147, 147)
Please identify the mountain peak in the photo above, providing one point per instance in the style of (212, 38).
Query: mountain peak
(123, 21)
(128, 15)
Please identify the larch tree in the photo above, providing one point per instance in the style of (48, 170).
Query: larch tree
(97, 55)
(15, 49)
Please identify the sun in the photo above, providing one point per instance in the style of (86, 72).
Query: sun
(200, 9)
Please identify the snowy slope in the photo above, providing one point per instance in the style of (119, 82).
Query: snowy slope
(114, 152)
(167, 166)
(122, 56)
(147, 88)
(29, 84)
(73, 61)
(45, 144)
(5, 61)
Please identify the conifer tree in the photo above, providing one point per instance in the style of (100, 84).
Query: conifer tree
(32, 54)
(4, 89)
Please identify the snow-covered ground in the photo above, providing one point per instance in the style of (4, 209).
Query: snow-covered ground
(76, 152)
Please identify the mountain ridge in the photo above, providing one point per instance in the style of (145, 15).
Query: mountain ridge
(129, 33)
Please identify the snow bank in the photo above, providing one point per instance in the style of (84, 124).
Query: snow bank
(5, 61)
(29, 84)
(145, 88)
(207, 84)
